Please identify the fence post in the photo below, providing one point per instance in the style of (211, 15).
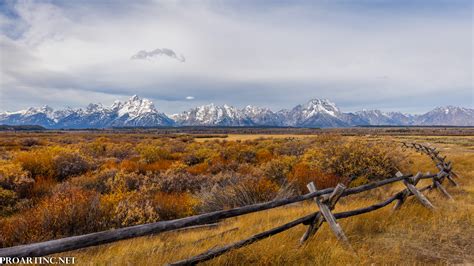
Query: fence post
(437, 180)
(450, 174)
(409, 184)
(406, 192)
(319, 219)
(325, 207)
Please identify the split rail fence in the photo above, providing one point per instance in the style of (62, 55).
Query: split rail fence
(325, 199)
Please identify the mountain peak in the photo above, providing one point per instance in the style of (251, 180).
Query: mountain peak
(135, 106)
(316, 106)
(448, 109)
(134, 98)
(93, 107)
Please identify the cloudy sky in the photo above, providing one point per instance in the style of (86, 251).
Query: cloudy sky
(391, 55)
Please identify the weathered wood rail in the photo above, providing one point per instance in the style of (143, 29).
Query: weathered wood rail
(325, 199)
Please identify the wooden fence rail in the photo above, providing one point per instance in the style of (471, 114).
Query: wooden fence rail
(326, 199)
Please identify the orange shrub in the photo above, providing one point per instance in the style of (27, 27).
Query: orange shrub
(130, 165)
(198, 168)
(263, 155)
(43, 186)
(303, 173)
(109, 164)
(161, 165)
(69, 211)
(174, 205)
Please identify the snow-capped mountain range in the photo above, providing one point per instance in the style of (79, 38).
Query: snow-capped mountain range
(140, 112)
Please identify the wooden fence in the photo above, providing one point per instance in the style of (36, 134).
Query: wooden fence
(325, 199)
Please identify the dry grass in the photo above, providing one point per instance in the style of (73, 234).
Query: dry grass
(412, 235)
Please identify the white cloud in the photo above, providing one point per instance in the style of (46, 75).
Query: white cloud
(189, 97)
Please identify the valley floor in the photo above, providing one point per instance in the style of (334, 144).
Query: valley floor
(411, 235)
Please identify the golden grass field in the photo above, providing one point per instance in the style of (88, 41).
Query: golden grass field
(411, 235)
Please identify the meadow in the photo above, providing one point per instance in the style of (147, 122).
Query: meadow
(59, 184)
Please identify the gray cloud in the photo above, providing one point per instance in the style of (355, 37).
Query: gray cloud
(158, 52)
(240, 55)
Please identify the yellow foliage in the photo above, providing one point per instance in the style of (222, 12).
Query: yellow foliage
(151, 153)
(355, 158)
(128, 208)
(175, 205)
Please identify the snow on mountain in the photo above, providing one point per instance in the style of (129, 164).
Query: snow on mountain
(43, 116)
(262, 116)
(140, 112)
(213, 115)
(318, 106)
(447, 115)
(135, 107)
(315, 113)
(377, 117)
(135, 112)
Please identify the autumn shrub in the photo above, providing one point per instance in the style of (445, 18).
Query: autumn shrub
(38, 162)
(193, 159)
(128, 208)
(218, 164)
(97, 148)
(247, 156)
(158, 166)
(28, 142)
(263, 155)
(123, 181)
(43, 186)
(198, 169)
(304, 173)
(120, 151)
(178, 182)
(291, 147)
(57, 162)
(98, 181)
(13, 177)
(240, 191)
(8, 200)
(174, 205)
(278, 169)
(355, 158)
(130, 165)
(152, 153)
(67, 164)
(197, 154)
(68, 211)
